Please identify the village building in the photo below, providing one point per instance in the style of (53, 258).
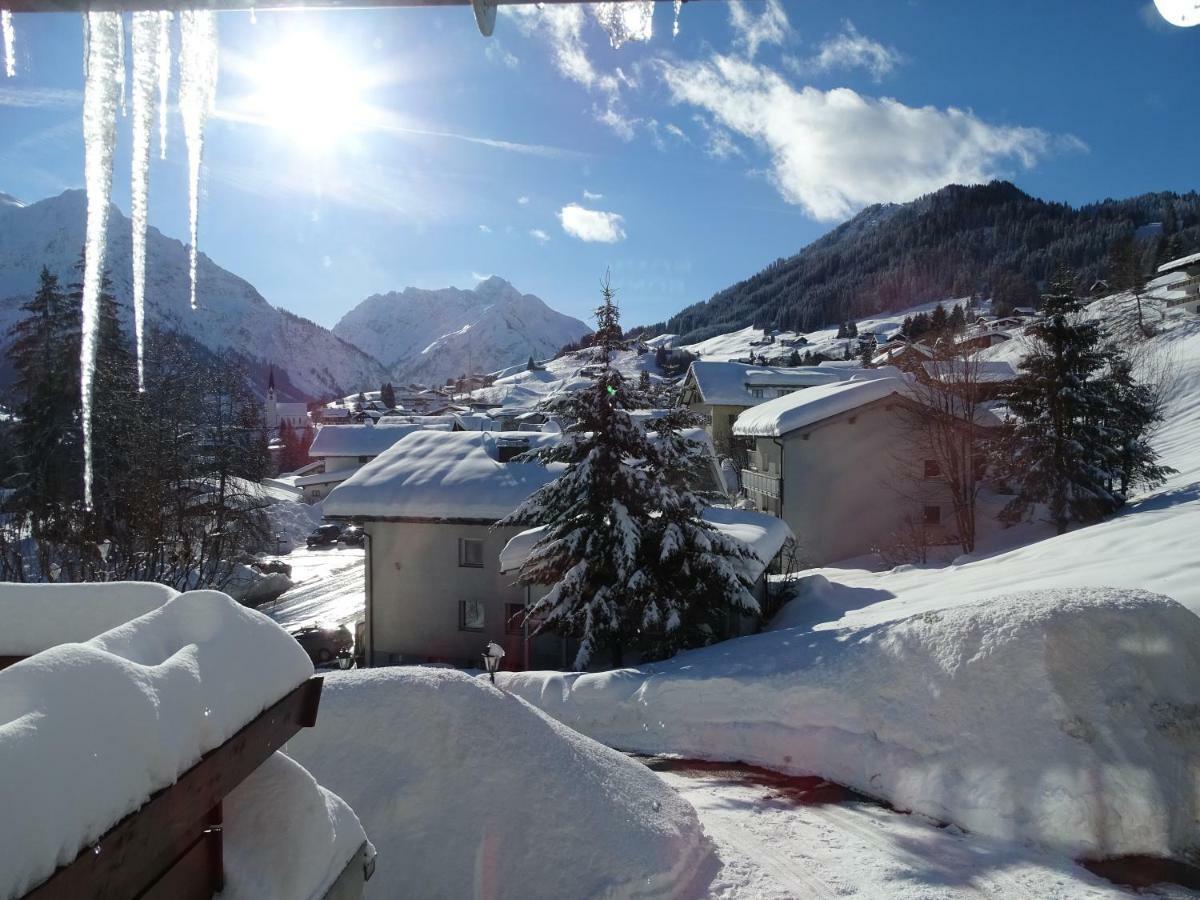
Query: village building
(720, 391)
(837, 464)
(1180, 279)
(276, 413)
(437, 590)
(342, 450)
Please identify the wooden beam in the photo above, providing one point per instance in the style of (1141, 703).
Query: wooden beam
(178, 825)
(28, 6)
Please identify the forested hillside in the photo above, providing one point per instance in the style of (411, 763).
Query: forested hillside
(992, 239)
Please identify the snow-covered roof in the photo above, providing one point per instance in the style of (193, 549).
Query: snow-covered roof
(292, 409)
(1180, 263)
(983, 371)
(444, 475)
(34, 617)
(765, 535)
(357, 440)
(324, 477)
(729, 383)
(793, 411)
(891, 351)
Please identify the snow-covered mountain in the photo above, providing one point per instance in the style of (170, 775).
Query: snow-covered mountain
(310, 362)
(429, 336)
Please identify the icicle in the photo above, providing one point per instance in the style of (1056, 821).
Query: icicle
(197, 88)
(146, 56)
(626, 20)
(675, 27)
(164, 79)
(121, 60)
(253, 17)
(99, 137)
(10, 43)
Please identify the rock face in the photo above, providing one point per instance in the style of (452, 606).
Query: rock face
(310, 361)
(429, 336)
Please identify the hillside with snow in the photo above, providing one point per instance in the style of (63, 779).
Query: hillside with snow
(428, 336)
(309, 361)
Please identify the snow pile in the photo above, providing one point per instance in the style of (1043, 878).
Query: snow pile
(286, 837)
(89, 731)
(34, 617)
(1068, 717)
(291, 522)
(468, 792)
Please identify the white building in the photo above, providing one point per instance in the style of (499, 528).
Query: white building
(1179, 280)
(295, 415)
(343, 449)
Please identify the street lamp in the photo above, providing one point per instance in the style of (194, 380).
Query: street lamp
(492, 654)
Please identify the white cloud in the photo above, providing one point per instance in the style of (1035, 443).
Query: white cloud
(833, 152)
(752, 31)
(485, 229)
(588, 195)
(540, 236)
(522, 200)
(480, 277)
(591, 224)
(851, 49)
(677, 132)
(498, 55)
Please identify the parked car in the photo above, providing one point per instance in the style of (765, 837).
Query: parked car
(353, 536)
(325, 536)
(324, 644)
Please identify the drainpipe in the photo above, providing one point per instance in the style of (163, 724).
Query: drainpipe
(369, 655)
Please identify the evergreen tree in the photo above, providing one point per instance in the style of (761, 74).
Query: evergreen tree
(958, 319)
(387, 395)
(1063, 443)
(531, 366)
(1133, 413)
(939, 322)
(794, 358)
(866, 352)
(660, 357)
(644, 382)
(851, 329)
(617, 528)
(842, 331)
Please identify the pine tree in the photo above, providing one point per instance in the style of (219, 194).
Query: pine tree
(617, 528)
(660, 357)
(939, 321)
(644, 382)
(958, 319)
(1063, 443)
(842, 331)
(531, 366)
(387, 395)
(866, 353)
(794, 358)
(851, 329)
(1133, 414)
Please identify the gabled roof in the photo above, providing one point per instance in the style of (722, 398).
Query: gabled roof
(1180, 263)
(444, 475)
(803, 408)
(357, 440)
(728, 383)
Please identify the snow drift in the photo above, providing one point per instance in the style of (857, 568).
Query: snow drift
(89, 731)
(469, 792)
(1068, 716)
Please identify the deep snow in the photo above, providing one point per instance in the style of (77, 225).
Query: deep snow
(467, 791)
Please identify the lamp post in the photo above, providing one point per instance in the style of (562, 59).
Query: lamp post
(492, 654)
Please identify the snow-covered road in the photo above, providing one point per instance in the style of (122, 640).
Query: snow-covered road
(330, 588)
(786, 837)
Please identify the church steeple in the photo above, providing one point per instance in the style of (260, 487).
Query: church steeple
(271, 381)
(272, 411)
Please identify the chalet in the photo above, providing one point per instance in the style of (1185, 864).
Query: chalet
(720, 391)
(985, 340)
(429, 506)
(343, 449)
(988, 377)
(821, 456)
(1183, 288)
(903, 355)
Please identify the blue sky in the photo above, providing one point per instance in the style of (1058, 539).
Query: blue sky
(361, 151)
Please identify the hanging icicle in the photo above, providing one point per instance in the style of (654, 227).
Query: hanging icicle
(197, 90)
(99, 138)
(146, 57)
(678, 10)
(163, 65)
(10, 43)
(121, 61)
(625, 20)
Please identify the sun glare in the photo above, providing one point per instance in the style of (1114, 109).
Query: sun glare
(304, 87)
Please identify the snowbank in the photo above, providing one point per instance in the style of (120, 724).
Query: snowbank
(1068, 717)
(36, 616)
(89, 731)
(469, 792)
(291, 522)
(286, 837)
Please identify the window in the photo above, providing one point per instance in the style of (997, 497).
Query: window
(470, 615)
(932, 469)
(756, 392)
(514, 618)
(933, 515)
(470, 553)
(364, 459)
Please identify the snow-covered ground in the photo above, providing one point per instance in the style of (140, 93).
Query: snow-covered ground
(780, 838)
(329, 588)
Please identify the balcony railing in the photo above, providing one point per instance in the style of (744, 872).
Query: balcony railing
(759, 483)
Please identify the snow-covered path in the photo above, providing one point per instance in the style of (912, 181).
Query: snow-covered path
(329, 587)
(782, 837)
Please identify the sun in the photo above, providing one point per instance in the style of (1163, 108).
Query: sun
(304, 87)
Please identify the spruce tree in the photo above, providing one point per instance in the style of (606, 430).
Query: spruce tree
(958, 319)
(1133, 413)
(1063, 441)
(387, 395)
(939, 321)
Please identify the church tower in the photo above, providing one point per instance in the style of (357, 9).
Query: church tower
(272, 410)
